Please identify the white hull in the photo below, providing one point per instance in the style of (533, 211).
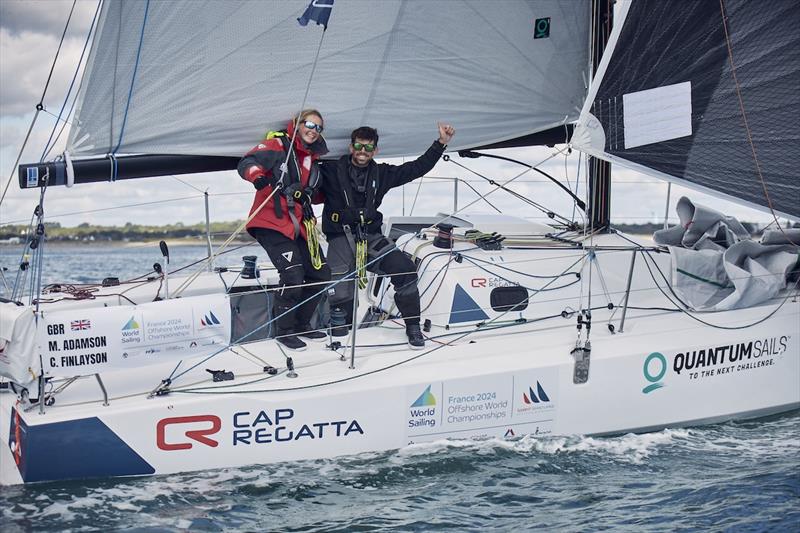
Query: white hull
(504, 382)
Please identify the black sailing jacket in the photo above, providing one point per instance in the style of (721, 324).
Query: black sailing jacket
(341, 206)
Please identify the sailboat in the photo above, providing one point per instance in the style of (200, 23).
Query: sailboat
(532, 328)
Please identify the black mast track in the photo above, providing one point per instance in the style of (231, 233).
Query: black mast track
(599, 170)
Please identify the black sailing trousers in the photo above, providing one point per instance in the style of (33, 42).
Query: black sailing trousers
(299, 280)
(390, 261)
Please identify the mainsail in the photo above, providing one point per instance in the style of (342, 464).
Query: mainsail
(211, 77)
(668, 102)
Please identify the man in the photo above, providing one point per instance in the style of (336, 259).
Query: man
(353, 188)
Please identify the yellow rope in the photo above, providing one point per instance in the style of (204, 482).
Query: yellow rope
(312, 239)
(361, 264)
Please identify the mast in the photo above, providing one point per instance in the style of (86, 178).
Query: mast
(599, 170)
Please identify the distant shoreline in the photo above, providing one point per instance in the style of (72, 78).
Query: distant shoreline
(128, 244)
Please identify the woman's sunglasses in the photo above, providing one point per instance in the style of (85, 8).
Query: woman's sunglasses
(312, 126)
(367, 147)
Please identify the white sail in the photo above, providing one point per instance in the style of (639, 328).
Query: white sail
(210, 78)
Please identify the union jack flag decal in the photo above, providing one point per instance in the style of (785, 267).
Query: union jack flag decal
(78, 325)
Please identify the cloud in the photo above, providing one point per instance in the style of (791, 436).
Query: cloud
(29, 36)
(45, 17)
(27, 50)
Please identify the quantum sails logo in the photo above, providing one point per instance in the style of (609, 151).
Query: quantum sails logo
(714, 361)
(731, 358)
(654, 369)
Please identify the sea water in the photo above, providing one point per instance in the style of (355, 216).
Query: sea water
(736, 476)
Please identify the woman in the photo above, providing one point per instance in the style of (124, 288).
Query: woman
(282, 225)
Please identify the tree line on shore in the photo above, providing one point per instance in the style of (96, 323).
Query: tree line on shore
(86, 232)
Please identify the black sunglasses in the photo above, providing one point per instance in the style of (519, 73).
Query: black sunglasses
(367, 147)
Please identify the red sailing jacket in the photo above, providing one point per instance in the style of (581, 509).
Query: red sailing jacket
(265, 160)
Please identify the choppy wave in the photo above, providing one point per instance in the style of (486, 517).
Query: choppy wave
(742, 476)
(734, 476)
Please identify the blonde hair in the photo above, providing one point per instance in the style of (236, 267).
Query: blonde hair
(304, 114)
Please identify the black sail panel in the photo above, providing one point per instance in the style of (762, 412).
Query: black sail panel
(663, 45)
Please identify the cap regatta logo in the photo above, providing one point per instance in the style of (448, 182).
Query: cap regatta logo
(195, 431)
(78, 325)
(542, 395)
(209, 320)
(654, 368)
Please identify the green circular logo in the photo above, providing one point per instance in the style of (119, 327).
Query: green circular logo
(541, 25)
(663, 370)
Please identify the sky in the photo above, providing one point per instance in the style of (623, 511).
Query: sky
(30, 31)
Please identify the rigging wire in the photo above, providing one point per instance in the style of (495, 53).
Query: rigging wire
(683, 306)
(460, 336)
(284, 168)
(550, 213)
(746, 123)
(130, 89)
(39, 106)
(140, 204)
(47, 146)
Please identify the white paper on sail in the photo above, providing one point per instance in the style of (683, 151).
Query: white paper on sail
(212, 77)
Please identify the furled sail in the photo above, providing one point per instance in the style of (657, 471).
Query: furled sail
(211, 77)
(666, 99)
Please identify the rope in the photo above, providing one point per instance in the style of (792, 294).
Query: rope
(133, 81)
(361, 263)
(746, 124)
(47, 146)
(258, 209)
(693, 317)
(39, 106)
(312, 240)
(189, 280)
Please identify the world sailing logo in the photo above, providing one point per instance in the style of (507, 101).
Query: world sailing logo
(422, 413)
(426, 398)
(209, 320)
(130, 324)
(131, 332)
(654, 368)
